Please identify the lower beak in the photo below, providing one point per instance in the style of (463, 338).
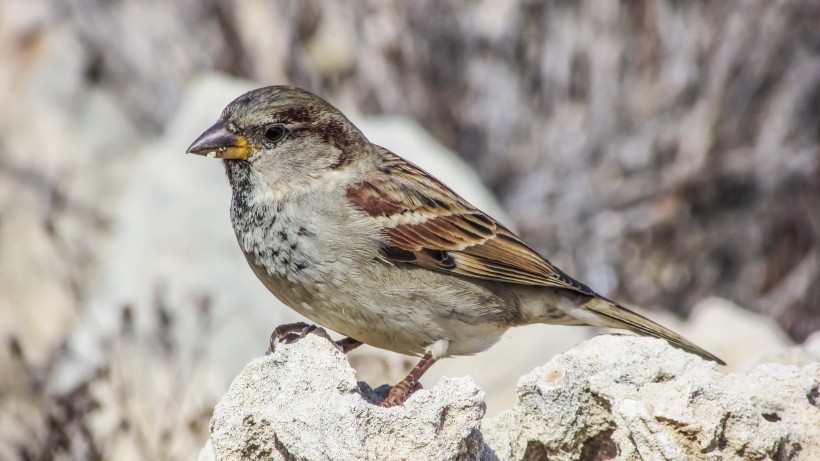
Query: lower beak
(219, 142)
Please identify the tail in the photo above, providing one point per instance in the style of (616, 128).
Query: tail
(617, 316)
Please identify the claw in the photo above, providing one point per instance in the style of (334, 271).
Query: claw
(347, 344)
(292, 332)
(289, 333)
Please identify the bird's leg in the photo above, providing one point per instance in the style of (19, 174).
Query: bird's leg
(347, 344)
(402, 391)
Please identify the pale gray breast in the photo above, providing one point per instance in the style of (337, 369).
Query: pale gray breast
(306, 241)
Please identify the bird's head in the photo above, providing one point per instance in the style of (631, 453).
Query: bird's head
(283, 134)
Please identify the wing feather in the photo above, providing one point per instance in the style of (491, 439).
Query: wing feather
(423, 217)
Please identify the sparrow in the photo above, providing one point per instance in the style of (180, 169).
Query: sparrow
(363, 242)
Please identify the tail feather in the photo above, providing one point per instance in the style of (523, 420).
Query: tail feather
(620, 317)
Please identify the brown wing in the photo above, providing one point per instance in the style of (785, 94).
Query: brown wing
(427, 224)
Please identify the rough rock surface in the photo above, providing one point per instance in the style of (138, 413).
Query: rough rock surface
(639, 398)
(612, 397)
(303, 402)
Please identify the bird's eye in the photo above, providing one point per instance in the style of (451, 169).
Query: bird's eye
(275, 133)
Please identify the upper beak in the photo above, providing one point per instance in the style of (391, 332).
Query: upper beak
(219, 142)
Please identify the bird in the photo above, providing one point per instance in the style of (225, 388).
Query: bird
(361, 241)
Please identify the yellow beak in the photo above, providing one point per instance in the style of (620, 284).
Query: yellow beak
(219, 142)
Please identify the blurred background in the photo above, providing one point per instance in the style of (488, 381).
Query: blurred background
(667, 153)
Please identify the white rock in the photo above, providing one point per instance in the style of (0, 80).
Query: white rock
(612, 397)
(303, 402)
(642, 399)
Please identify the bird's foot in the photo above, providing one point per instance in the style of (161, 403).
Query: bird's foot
(400, 393)
(347, 344)
(404, 389)
(292, 332)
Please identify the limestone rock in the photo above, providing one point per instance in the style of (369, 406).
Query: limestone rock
(303, 402)
(638, 398)
(612, 397)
